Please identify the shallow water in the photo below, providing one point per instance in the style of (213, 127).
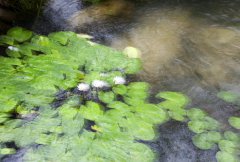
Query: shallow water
(193, 48)
(187, 46)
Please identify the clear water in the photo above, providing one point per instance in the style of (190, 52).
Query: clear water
(187, 45)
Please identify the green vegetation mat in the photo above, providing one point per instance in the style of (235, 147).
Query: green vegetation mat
(65, 98)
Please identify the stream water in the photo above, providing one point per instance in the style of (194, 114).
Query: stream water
(191, 46)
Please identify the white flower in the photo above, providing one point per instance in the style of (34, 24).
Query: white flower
(99, 84)
(119, 80)
(13, 48)
(83, 87)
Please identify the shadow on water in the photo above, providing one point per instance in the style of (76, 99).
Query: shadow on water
(192, 46)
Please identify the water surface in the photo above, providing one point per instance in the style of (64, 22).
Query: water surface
(187, 45)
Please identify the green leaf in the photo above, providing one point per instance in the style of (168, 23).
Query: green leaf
(151, 113)
(118, 105)
(207, 140)
(6, 40)
(214, 136)
(197, 126)
(196, 114)
(211, 123)
(231, 136)
(234, 122)
(14, 54)
(106, 97)
(178, 115)
(229, 96)
(19, 34)
(7, 151)
(120, 89)
(45, 139)
(4, 117)
(92, 111)
(226, 157)
(229, 146)
(138, 86)
(8, 105)
(61, 37)
(177, 99)
(201, 142)
(41, 41)
(68, 112)
(133, 66)
(138, 128)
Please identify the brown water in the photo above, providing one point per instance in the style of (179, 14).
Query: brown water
(195, 50)
(187, 45)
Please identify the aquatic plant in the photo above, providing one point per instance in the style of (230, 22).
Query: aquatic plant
(229, 148)
(206, 140)
(174, 104)
(234, 122)
(208, 135)
(229, 96)
(68, 100)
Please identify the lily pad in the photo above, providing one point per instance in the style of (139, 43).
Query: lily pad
(226, 157)
(206, 140)
(196, 114)
(234, 122)
(19, 34)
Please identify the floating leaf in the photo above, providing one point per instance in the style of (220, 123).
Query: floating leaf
(207, 140)
(92, 111)
(61, 37)
(197, 126)
(46, 139)
(228, 96)
(196, 114)
(234, 122)
(231, 136)
(226, 157)
(120, 89)
(19, 34)
(106, 97)
(178, 115)
(178, 99)
(151, 113)
(206, 124)
(6, 40)
(229, 146)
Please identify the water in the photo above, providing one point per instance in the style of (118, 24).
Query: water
(187, 46)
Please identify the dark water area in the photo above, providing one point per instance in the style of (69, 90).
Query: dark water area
(190, 46)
